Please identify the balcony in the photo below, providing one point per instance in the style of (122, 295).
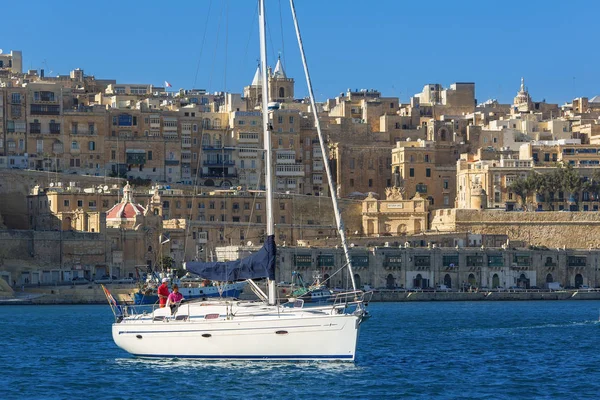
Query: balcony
(217, 163)
(217, 174)
(44, 109)
(289, 170)
(217, 148)
(248, 138)
(248, 152)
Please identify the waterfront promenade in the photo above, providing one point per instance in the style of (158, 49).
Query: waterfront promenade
(93, 294)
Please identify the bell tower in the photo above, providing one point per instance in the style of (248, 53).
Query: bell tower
(281, 88)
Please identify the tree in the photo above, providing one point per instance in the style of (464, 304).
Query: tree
(166, 263)
(524, 187)
(572, 182)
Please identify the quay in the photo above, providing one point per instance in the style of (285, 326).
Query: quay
(93, 294)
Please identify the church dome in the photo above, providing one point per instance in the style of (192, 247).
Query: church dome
(126, 209)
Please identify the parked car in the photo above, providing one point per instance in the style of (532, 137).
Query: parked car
(104, 279)
(125, 280)
(78, 280)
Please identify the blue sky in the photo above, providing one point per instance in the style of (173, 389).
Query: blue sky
(390, 45)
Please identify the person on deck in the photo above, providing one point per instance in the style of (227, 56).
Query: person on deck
(163, 292)
(174, 298)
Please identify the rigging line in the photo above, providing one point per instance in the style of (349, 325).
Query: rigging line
(253, 204)
(226, 42)
(250, 33)
(216, 47)
(271, 42)
(332, 191)
(202, 44)
(281, 29)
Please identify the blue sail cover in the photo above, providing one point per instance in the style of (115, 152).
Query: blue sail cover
(258, 265)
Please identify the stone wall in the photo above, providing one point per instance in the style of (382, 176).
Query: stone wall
(577, 230)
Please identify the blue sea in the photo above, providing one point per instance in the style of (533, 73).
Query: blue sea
(434, 350)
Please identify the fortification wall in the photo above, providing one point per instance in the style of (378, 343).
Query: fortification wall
(551, 229)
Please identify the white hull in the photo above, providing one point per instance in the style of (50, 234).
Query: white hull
(252, 332)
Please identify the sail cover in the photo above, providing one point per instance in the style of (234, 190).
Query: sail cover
(258, 265)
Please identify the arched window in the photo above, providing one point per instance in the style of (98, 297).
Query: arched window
(495, 281)
(390, 281)
(205, 139)
(216, 123)
(206, 123)
(443, 135)
(448, 281)
(472, 280)
(281, 93)
(217, 139)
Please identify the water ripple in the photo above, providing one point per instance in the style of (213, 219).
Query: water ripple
(478, 350)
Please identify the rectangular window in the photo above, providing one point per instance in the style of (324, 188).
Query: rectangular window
(411, 172)
(149, 155)
(422, 261)
(428, 172)
(450, 261)
(67, 203)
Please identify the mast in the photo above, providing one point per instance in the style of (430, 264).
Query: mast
(267, 136)
(332, 191)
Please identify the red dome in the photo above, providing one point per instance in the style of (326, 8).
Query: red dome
(126, 209)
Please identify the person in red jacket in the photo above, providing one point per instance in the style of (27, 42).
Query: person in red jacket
(163, 292)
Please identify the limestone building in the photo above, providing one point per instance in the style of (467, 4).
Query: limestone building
(426, 168)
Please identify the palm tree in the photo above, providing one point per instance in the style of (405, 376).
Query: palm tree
(572, 183)
(540, 186)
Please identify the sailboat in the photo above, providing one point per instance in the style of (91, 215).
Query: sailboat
(229, 329)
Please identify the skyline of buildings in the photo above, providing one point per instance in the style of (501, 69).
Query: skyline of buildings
(402, 169)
